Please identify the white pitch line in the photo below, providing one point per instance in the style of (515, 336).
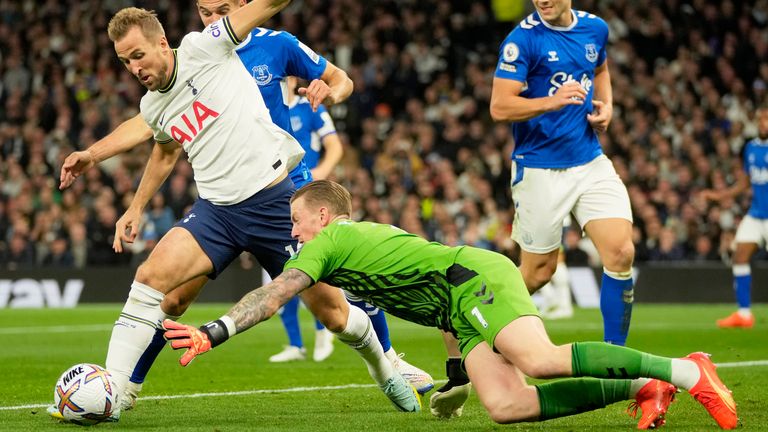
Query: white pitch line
(56, 329)
(559, 325)
(323, 388)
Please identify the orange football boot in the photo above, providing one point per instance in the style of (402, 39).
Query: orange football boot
(736, 320)
(653, 400)
(712, 393)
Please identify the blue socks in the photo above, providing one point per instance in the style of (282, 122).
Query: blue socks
(289, 315)
(148, 358)
(742, 284)
(616, 297)
(378, 319)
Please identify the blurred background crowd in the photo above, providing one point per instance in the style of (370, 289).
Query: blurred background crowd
(421, 150)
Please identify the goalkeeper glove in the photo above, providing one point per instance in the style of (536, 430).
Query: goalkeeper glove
(448, 401)
(196, 340)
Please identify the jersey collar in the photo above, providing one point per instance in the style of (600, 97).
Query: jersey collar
(175, 72)
(558, 28)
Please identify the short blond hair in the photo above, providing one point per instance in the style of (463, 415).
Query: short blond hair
(128, 18)
(325, 192)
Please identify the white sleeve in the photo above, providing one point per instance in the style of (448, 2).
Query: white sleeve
(218, 40)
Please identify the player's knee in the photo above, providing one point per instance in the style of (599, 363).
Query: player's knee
(175, 304)
(539, 276)
(334, 321)
(620, 258)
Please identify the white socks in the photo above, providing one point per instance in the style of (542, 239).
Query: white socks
(636, 384)
(685, 373)
(359, 335)
(133, 331)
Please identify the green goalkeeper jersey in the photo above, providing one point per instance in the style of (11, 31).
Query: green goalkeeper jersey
(399, 272)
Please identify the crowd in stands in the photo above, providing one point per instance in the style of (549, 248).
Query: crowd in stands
(421, 150)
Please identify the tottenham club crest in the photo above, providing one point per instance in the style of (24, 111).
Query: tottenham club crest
(261, 74)
(591, 52)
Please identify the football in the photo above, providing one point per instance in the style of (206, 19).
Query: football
(86, 394)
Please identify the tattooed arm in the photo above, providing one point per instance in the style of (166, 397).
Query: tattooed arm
(252, 309)
(262, 303)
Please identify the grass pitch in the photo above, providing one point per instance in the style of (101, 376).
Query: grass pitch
(235, 388)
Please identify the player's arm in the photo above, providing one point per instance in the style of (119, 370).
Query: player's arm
(159, 166)
(507, 104)
(340, 84)
(602, 99)
(255, 307)
(128, 135)
(331, 156)
(245, 19)
(334, 86)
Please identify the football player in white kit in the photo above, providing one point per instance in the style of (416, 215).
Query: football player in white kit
(203, 100)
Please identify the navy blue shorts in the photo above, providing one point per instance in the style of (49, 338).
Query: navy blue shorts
(260, 225)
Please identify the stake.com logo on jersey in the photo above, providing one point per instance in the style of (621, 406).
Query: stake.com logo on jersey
(191, 122)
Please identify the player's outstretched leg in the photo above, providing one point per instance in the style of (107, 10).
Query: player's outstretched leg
(359, 334)
(352, 327)
(133, 334)
(695, 373)
(419, 378)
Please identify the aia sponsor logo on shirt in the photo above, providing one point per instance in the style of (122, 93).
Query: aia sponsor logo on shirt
(191, 122)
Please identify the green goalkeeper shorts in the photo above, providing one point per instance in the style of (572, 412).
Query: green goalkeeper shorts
(488, 294)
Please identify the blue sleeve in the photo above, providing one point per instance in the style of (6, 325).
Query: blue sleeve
(301, 61)
(514, 57)
(602, 33)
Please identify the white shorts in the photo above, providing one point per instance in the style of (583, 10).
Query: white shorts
(752, 230)
(543, 197)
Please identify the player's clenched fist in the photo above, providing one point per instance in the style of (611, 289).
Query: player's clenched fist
(195, 340)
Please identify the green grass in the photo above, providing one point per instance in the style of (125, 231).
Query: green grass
(32, 360)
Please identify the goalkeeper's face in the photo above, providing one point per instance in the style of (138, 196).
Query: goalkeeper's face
(308, 220)
(213, 10)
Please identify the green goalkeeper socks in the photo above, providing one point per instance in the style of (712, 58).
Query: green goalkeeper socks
(576, 395)
(602, 360)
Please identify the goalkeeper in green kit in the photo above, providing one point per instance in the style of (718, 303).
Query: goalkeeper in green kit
(480, 297)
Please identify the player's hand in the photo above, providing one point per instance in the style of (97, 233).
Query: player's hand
(316, 92)
(570, 93)
(185, 336)
(126, 228)
(448, 401)
(74, 165)
(601, 116)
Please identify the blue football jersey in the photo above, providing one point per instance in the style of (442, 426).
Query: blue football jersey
(544, 57)
(309, 128)
(756, 165)
(270, 56)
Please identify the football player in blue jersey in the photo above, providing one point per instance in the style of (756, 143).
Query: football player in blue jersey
(753, 229)
(270, 56)
(552, 82)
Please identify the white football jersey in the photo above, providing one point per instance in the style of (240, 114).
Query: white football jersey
(213, 108)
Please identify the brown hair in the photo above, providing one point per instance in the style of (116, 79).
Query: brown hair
(131, 17)
(326, 192)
